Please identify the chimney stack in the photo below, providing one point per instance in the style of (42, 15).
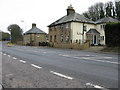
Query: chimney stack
(70, 10)
(33, 25)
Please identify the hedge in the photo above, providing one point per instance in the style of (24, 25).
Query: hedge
(112, 33)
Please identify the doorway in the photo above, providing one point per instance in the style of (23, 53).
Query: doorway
(95, 39)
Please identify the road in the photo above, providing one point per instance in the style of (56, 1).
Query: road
(43, 67)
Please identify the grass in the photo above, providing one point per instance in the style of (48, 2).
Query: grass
(111, 49)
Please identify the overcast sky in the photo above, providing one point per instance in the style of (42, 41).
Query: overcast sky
(41, 12)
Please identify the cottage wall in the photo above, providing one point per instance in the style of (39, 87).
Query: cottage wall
(77, 31)
(100, 28)
(35, 38)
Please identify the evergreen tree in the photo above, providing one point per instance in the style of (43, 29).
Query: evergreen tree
(16, 33)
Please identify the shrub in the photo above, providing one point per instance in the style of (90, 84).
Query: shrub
(112, 33)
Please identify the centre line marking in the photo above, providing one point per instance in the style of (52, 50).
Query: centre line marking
(4, 54)
(22, 61)
(61, 75)
(14, 58)
(95, 86)
(9, 56)
(36, 66)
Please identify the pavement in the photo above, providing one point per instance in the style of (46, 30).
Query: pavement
(58, 68)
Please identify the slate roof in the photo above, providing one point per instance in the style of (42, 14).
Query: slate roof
(35, 30)
(93, 31)
(72, 17)
(106, 20)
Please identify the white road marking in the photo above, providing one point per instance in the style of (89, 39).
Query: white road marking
(95, 86)
(1, 87)
(22, 61)
(9, 56)
(9, 75)
(65, 55)
(4, 54)
(100, 60)
(36, 66)
(35, 51)
(108, 57)
(92, 59)
(87, 55)
(14, 58)
(85, 58)
(61, 75)
(76, 57)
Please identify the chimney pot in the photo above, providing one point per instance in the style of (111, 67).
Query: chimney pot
(33, 25)
(70, 10)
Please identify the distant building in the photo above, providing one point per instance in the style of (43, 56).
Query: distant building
(75, 28)
(34, 36)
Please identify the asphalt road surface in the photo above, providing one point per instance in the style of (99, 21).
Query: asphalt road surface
(38, 67)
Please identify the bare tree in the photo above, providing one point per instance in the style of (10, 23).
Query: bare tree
(117, 9)
(101, 10)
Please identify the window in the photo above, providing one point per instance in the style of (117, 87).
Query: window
(61, 38)
(55, 27)
(79, 41)
(85, 28)
(102, 26)
(102, 37)
(55, 38)
(61, 26)
(67, 25)
(50, 28)
(50, 38)
(76, 41)
(67, 38)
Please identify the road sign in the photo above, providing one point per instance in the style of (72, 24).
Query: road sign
(10, 38)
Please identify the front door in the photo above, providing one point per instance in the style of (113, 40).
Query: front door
(95, 38)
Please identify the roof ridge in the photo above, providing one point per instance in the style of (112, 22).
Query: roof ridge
(34, 30)
(71, 17)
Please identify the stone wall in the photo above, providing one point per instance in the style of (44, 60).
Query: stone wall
(56, 32)
(76, 46)
(34, 38)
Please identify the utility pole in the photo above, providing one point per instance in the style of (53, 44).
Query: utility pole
(10, 36)
(83, 34)
(25, 25)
